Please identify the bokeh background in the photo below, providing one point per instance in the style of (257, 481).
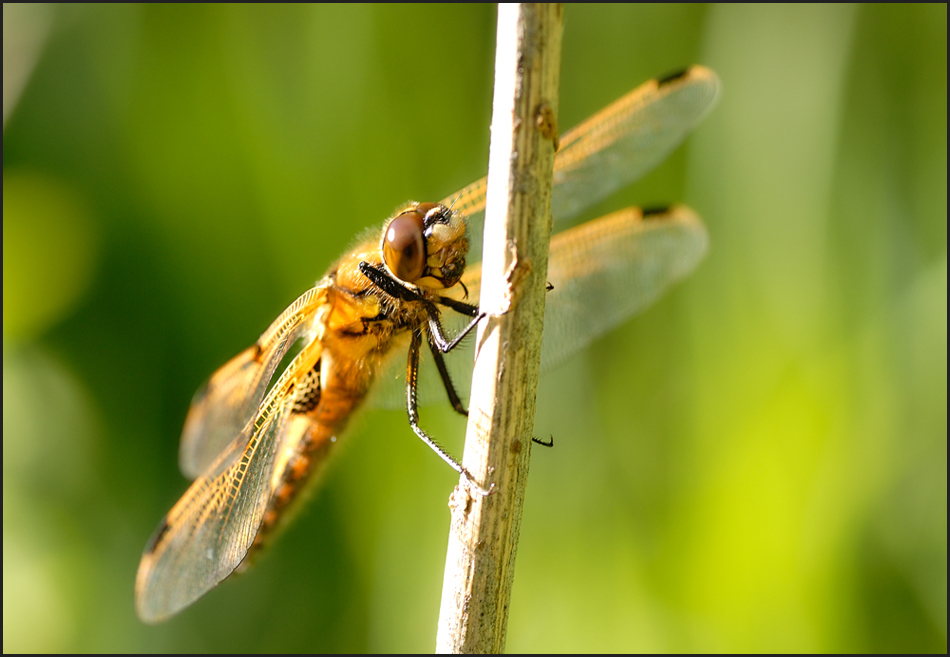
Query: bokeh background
(757, 463)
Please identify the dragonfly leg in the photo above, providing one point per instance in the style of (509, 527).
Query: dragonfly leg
(387, 284)
(447, 380)
(438, 333)
(412, 380)
(460, 307)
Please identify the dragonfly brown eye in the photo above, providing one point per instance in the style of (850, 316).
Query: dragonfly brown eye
(404, 246)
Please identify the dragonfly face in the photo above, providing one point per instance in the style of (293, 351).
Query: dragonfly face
(426, 245)
(250, 445)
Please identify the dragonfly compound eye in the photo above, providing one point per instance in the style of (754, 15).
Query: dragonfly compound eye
(404, 247)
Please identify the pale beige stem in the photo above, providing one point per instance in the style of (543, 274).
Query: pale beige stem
(483, 540)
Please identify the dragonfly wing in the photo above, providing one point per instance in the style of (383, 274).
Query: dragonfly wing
(221, 412)
(209, 531)
(614, 147)
(622, 142)
(607, 270)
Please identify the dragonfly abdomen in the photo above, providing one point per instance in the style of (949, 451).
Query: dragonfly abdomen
(319, 417)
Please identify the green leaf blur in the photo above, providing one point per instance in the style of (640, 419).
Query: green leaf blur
(757, 463)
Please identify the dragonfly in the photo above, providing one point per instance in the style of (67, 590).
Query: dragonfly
(250, 443)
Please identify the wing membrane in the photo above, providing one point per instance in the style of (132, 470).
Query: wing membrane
(220, 416)
(607, 270)
(208, 532)
(614, 147)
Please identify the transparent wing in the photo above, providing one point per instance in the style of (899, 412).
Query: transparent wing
(609, 269)
(221, 412)
(614, 147)
(208, 532)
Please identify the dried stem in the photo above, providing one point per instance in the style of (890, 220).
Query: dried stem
(483, 540)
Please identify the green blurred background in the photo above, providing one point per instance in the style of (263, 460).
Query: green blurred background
(758, 463)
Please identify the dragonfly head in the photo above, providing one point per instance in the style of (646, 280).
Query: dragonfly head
(425, 245)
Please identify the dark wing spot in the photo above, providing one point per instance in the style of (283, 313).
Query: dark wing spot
(654, 211)
(160, 532)
(673, 77)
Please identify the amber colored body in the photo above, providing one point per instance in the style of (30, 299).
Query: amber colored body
(360, 325)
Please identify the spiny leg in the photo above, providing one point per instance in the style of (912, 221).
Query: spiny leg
(462, 308)
(437, 333)
(412, 380)
(447, 380)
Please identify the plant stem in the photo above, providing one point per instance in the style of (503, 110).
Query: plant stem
(483, 539)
